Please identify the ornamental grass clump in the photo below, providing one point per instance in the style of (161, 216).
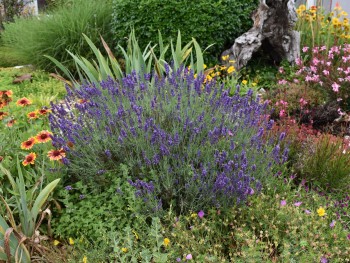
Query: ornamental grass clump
(186, 144)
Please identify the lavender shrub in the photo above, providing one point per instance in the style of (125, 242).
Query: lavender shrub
(187, 144)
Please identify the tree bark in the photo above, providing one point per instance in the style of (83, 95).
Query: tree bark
(273, 30)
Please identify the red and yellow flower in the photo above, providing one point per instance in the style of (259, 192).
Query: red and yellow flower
(33, 115)
(44, 111)
(3, 114)
(10, 123)
(28, 144)
(29, 159)
(56, 155)
(43, 136)
(8, 93)
(23, 102)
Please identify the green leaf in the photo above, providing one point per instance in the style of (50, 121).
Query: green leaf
(42, 197)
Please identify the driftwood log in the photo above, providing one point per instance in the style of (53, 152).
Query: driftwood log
(273, 31)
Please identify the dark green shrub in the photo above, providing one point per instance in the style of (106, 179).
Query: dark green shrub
(208, 21)
(58, 31)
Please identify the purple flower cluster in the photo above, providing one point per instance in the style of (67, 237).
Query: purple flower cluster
(186, 143)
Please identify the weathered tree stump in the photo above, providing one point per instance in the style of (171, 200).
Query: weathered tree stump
(273, 30)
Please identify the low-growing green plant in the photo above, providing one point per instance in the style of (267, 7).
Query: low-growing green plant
(91, 213)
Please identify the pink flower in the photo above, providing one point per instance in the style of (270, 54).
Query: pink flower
(308, 212)
(189, 256)
(282, 82)
(335, 87)
(305, 49)
(326, 72)
(230, 133)
(328, 63)
(201, 214)
(281, 70)
(282, 113)
(295, 80)
(283, 203)
(297, 204)
(302, 102)
(331, 225)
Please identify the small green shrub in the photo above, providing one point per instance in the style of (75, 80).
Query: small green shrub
(58, 31)
(326, 163)
(208, 21)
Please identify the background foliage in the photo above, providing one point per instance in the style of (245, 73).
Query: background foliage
(57, 31)
(209, 22)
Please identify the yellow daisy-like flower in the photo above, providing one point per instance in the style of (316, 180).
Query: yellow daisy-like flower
(335, 21)
(71, 241)
(302, 7)
(224, 58)
(56, 242)
(208, 78)
(125, 250)
(166, 241)
(244, 82)
(231, 69)
(321, 211)
(343, 13)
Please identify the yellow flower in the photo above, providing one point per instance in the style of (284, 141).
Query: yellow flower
(193, 215)
(124, 249)
(335, 21)
(195, 76)
(232, 61)
(136, 235)
(166, 241)
(302, 8)
(56, 242)
(204, 66)
(244, 82)
(85, 259)
(343, 13)
(208, 78)
(254, 84)
(224, 58)
(231, 69)
(71, 241)
(321, 211)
